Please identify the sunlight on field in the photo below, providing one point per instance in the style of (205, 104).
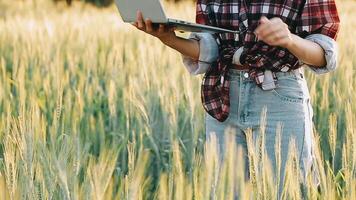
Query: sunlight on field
(91, 108)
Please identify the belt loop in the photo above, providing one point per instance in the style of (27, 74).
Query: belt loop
(268, 80)
(298, 72)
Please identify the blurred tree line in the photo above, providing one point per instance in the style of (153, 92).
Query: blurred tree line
(100, 2)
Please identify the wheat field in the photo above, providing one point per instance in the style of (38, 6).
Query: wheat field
(91, 108)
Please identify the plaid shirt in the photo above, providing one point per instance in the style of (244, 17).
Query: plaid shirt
(303, 17)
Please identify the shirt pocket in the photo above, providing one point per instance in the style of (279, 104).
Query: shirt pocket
(291, 89)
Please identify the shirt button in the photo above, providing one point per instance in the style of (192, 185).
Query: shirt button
(246, 75)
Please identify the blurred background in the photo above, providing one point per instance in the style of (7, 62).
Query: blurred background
(103, 2)
(92, 108)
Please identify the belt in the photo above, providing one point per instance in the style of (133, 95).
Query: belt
(269, 80)
(240, 67)
(298, 72)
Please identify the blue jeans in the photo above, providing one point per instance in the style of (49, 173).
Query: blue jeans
(288, 104)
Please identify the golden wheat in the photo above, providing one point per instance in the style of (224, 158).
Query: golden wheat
(91, 108)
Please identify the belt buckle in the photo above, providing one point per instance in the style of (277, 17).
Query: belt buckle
(268, 81)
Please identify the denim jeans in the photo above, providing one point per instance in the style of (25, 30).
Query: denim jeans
(288, 105)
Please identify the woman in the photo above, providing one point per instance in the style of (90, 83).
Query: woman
(261, 67)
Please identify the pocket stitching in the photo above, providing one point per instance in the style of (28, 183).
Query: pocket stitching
(287, 99)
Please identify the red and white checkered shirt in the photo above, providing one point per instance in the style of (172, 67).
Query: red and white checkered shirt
(303, 17)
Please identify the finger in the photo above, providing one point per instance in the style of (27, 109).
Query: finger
(140, 23)
(148, 23)
(172, 29)
(271, 33)
(263, 23)
(161, 28)
(270, 30)
(278, 30)
(134, 24)
(275, 36)
(276, 24)
(260, 28)
(264, 20)
(276, 20)
(269, 26)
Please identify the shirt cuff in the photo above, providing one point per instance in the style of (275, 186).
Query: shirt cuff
(330, 48)
(209, 52)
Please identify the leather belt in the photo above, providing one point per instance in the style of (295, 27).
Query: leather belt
(239, 67)
(298, 72)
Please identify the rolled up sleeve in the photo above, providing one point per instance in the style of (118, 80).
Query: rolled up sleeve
(331, 53)
(208, 53)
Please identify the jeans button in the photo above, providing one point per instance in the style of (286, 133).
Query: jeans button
(246, 75)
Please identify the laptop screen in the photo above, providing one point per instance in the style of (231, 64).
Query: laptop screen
(150, 9)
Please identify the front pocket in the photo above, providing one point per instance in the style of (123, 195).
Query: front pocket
(290, 89)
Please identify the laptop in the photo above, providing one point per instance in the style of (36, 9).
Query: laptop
(153, 9)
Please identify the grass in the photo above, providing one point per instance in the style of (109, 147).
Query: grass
(90, 108)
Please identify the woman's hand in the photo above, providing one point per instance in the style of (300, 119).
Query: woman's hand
(162, 32)
(188, 47)
(274, 32)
